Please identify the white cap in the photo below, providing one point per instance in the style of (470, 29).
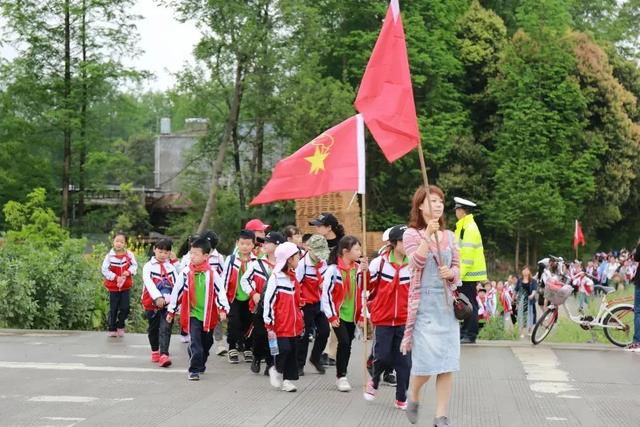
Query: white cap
(385, 235)
(463, 203)
(284, 251)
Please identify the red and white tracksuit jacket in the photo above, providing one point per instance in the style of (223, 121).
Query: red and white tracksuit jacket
(215, 299)
(152, 273)
(584, 283)
(233, 267)
(333, 292)
(282, 313)
(389, 292)
(254, 280)
(311, 276)
(506, 301)
(483, 311)
(115, 265)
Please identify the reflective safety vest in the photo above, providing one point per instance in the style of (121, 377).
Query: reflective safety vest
(472, 264)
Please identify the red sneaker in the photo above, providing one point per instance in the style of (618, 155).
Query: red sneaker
(155, 356)
(164, 361)
(120, 332)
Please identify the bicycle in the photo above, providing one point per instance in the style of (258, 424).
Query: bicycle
(614, 317)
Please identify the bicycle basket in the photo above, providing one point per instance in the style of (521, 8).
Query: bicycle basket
(557, 292)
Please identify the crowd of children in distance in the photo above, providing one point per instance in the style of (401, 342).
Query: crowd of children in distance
(518, 299)
(275, 291)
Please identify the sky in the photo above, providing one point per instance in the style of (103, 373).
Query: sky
(167, 44)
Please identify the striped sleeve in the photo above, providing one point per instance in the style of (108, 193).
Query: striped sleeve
(269, 302)
(411, 241)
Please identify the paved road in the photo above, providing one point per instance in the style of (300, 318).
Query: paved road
(87, 379)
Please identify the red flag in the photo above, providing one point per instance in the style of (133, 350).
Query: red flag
(578, 236)
(385, 97)
(334, 161)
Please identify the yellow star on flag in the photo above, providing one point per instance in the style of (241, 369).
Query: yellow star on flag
(317, 161)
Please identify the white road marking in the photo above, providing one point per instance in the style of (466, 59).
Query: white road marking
(104, 356)
(556, 419)
(38, 334)
(63, 419)
(83, 367)
(138, 345)
(541, 366)
(64, 399)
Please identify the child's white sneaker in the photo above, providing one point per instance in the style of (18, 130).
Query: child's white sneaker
(288, 386)
(275, 378)
(343, 384)
(221, 350)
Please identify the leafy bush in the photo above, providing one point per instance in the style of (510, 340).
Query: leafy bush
(494, 329)
(48, 279)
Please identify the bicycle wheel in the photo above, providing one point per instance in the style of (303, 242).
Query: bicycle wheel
(544, 325)
(621, 318)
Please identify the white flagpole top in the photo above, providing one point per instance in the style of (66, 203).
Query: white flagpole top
(395, 8)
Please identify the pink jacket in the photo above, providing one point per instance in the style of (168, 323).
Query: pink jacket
(411, 240)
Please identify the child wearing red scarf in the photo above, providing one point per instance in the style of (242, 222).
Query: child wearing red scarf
(342, 301)
(240, 315)
(282, 316)
(200, 291)
(118, 268)
(389, 286)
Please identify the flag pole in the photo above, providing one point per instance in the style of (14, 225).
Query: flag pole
(365, 321)
(425, 178)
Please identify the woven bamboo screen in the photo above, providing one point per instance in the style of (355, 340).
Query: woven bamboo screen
(345, 207)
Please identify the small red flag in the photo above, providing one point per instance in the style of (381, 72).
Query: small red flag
(385, 97)
(334, 161)
(578, 236)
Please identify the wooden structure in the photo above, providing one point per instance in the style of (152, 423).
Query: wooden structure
(345, 207)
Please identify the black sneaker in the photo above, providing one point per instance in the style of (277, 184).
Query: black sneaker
(389, 378)
(255, 366)
(233, 356)
(318, 367)
(332, 362)
(301, 372)
(324, 359)
(266, 370)
(193, 376)
(248, 356)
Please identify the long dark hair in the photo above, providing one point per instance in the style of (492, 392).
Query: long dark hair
(346, 243)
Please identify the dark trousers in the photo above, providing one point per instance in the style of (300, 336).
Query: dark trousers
(260, 341)
(159, 331)
(469, 327)
(118, 309)
(313, 318)
(387, 355)
(344, 334)
(286, 360)
(239, 323)
(199, 345)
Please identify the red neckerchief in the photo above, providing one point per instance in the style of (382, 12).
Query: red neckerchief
(397, 267)
(193, 269)
(317, 266)
(346, 278)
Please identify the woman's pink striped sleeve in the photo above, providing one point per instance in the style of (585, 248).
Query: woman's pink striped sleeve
(411, 241)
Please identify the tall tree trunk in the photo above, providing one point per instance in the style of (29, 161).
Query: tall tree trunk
(259, 153)
(66, 164)
(83, 112)
(517, 263)
(527, 252)
(216, 166)
(236, 163)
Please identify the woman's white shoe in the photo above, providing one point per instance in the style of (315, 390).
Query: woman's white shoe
(343, 384)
